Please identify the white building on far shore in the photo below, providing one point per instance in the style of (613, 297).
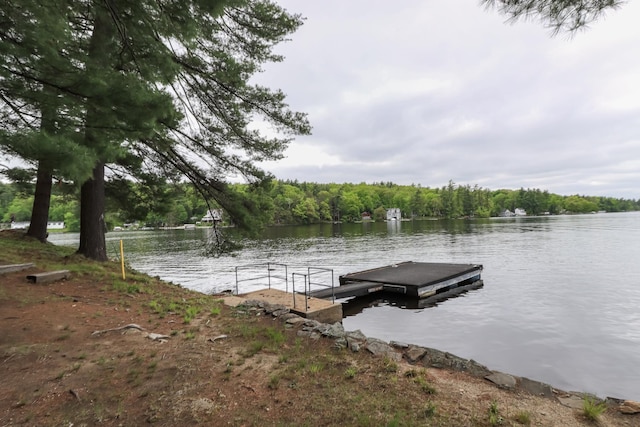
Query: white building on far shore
(394, 214)
(23, 225)
(213, 215)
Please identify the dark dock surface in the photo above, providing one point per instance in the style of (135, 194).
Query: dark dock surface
(355, 289)
(417, 279)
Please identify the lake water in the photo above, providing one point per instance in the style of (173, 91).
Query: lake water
(560, 302)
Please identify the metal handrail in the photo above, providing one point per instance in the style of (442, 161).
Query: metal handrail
(319, 270)
(270, 267)
(293, 284)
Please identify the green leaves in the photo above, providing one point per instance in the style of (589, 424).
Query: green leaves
(560, 15)
(149, 88)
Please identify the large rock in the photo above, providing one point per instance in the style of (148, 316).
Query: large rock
(536, 387)
(356, 335)
(435, 358)
(253, 303)
(443, 360)
(355, 340)
(381, 348)
(502, 380)
(572, 401)
(414, 353)
(399, 344)
(294, 319)
(312, 325)
(629, 407)
(275, 309)
(334, 331)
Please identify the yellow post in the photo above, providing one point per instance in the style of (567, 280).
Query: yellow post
(122, 259)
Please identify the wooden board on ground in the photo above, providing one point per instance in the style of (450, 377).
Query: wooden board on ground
(49, 276)
(15, 267)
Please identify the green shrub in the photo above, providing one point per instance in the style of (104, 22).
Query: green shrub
(430, 410)
(523, 418)
(495, 418)
(592, 409)
(350, 372)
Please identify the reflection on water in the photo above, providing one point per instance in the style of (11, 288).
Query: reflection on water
(354, 306)
(560, 301)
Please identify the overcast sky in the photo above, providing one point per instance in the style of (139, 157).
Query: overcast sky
(423, 91)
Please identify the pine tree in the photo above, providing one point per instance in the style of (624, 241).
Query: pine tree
(165, 83)
(219, 104)
(206, 62)
(560, 15)
(36, 121)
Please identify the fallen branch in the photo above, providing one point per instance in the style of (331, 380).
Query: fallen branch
(75, 394)
(249, 388)
(129, 326)
(219, 337)
(158, 337)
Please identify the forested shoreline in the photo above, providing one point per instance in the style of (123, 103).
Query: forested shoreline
(292, 202)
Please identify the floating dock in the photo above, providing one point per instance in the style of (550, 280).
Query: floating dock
(426, 283)
(413, 279)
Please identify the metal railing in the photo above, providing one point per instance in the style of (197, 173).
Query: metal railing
(273, 272)
(295, 294)
(314, 271)
(280, 272)
(308, 283)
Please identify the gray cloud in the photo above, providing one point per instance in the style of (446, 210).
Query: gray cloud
(424, 92)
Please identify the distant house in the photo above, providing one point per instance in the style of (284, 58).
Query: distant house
(23, 225)
(394, 214)
(213, 215)
(366, 216)
(516, 212)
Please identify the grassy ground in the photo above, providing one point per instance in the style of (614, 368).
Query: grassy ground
(66, 358)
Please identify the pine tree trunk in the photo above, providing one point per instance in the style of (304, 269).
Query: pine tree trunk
(92, 193)
(92, 224)
(44, 180)
(41, 202)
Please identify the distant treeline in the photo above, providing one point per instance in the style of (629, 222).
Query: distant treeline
(292, 202)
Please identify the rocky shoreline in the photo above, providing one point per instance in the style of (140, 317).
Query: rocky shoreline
(427, 357)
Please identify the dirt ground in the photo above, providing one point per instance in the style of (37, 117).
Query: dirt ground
(64, 363)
